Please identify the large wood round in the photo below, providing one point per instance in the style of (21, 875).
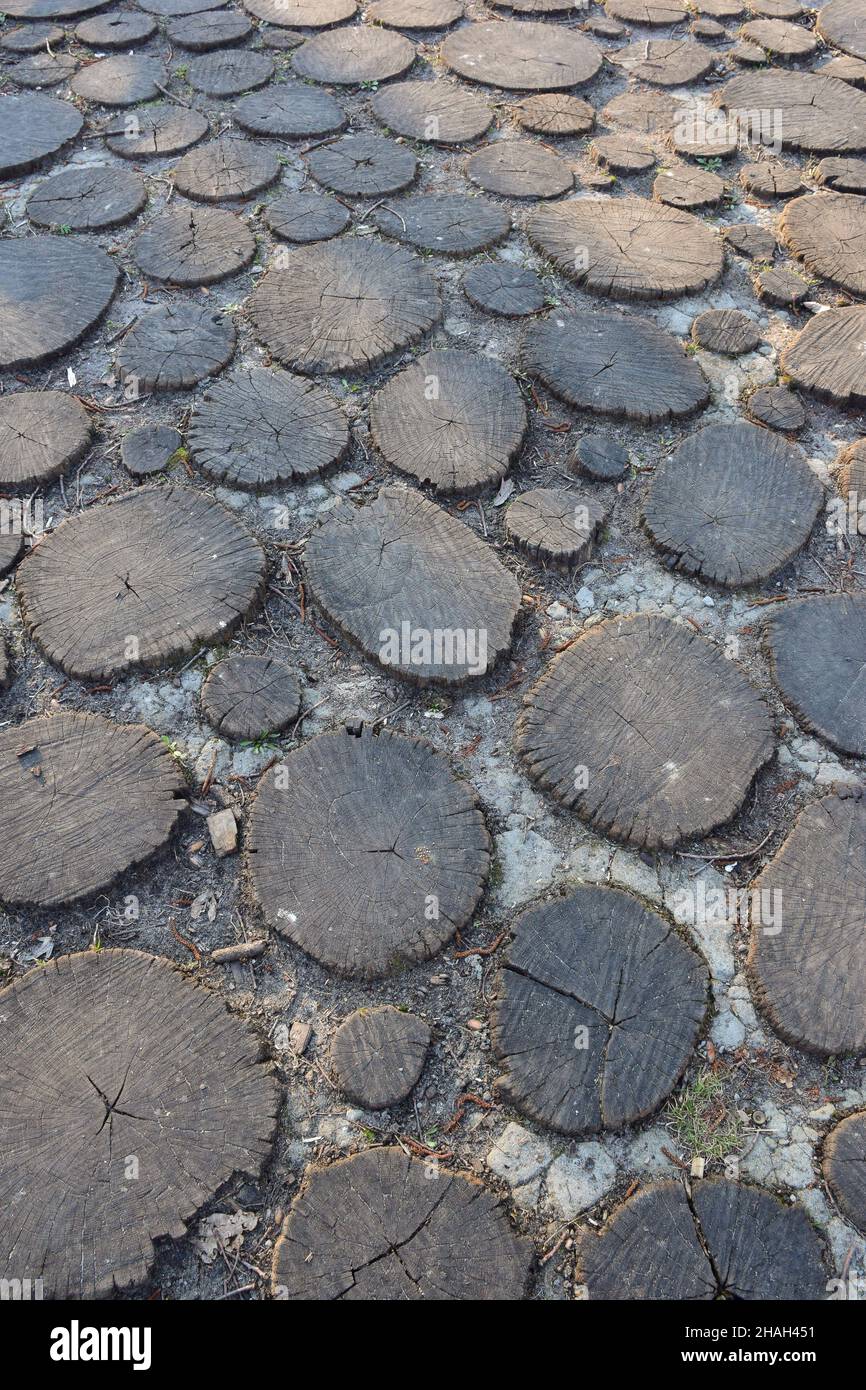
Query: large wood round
(307, 216)
(229, 71)
(230, 167)
(599, 1010)
(628, 248)
(808, 952)
(158, 574)
(453, 419)
(828, 232)
(666, 62)
(34, 128)
(378, 1055)
(363, 166)
(348, 57)
(646, 730)
(724, 1241)
(130, 1097)
(290, 110)
(121, 80)
(782, 41)
(829, 356)
(417, 590)
(41, 434)
(247, 697)
(524, 57)
(123, 30)
(52, 291)
(202, 32)
(88, 199)
(366, 851)
(734, 503)
(555, 113)
(818, 653)
(614, 364)
(802, 110)
(439, 112)
(83, 801)
(844, 1165)
(265, 427)
(175, 346)
(43, 69)
(452, 224)
(519, 169)
(842, 23)
(194, 246)
(407, 1232)
(343, 306)
(153, 131)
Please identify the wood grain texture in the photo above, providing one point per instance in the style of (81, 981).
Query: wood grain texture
(228, 72)
(290, 110)
(378, 1055)
(122, 80)
(307, 216)
(347, 57)
(666, 62)
(555, 113)
(519, 169)
(159, 129)
(521, 56)
(728, 331)
(41, 434)
(201, 32)
(363, 166)
(451, 224)
(827, 231)
(819, 114)
(305, 14)
(53, 290)
(778, 408)
(827, 358)
(230, 167)
(246, 697)
(414, 14)
(194, 246)
(87, 200)
(846, 175)
(817, 650)
(844, 1167)
(175, 346)
(554, 525)
(439, 112)
(500, 288)
(842, 23)
(121, 30)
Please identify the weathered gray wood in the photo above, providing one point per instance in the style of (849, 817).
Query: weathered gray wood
(306, 14)
(247, 697)
(228, 72)
(347, 57)
(844, 1166)
(623, 154)
(827, 357)
(175, 346)
(521, 56)
(751, 240)
(641, 109)
(88, 199)
(600, 457)
(31, 38)
(363, 166)
(53, 290)
(728, 331)
(194, 246)
(688, 188)
(41, 434)
(122, 30)
(771, 179)
(842, 23)
(500, 288)
(661, 12)
(782, 287)
(665, 62)
(121, 80)
(152, 131)
(43, 70)
(554, 525)
(555, 113)
(306, 216)
(815, 113)
(201, 32)
(783, 42)
(230, 167)
(827, 231)
(414, 14)
(778, 408)
(290, 110)
(519, 169)
(378, 1055)
(452, 224)
(818, 653)
(846, 175)
(439, 112)
(50, 9)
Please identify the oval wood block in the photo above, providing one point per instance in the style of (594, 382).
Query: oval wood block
(523, 57)
(415, 589)
(725, 1241)
(451, 224)
(827, 358)
(599, 1010)
(378, 1055)
(175, 346)
(348, 57)
(808, 951)
(406, 1232)
(83, 801)
(366, 851)
(802, 110)
(439, 112)
(87, 200)
(41, 434)
(52, 292)
(844, 1166)
(246, 697)
(645, 730)
(159, 573)
(34, 128)
(818, 655)
(130, 1097)
(153, 131)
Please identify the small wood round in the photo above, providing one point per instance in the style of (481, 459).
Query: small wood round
(348, 57)
(378, 1055)
(201, 32)
(522, 56)
(131, 1098)
(817, 652)
(666, 62)
(827, 358)
(810, 112)
(228, 72)
(283, 39)
(305, 217)
(734, 503)
(808, 951)
(53, 290)
(623, 154)
(554, 525)
(452, 419)
(401, 857)
(646, 111)
(628, 248)
(851, 465)
(601, 458)
(782, 287)
(173, 347)
(264, 427)
(122, 30)
(519, 169)
(751, 240)
(846, 175)
(452, 224)
(291, 110)
(43, 70)
(771, 179)
(778, 408)
(827, 231)
(724, 1241)
(153, 131)
(88, 200)
(614, 364)
(247, 697)
(32, 38)
(842, 23)
(439, 112)
(83, 801)
(305, 14)
(728, 331)
(230, 167)
(401, 1237)
(646, 730)
(599, 1009)
(415, 589)
(363, 166)
(500, 288)
(41, 434)
(688, 188)
(148, 449)
(844, 1167)
(414, 14)
(784, 42)
(160, 573)
(343, 305)
(194, 246)
(555, 113)
(120, 81)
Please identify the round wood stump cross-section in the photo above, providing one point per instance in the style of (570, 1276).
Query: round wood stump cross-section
(194, 246)
(829, 356)
(415, 589)
(378, 1055)
(818, 654)
(366, 851)
(802, 110)
(599, 1010)
(728, 331)
(522, 57)
(202, 32)
(52, 291)
(246, 697)
(83, 801)
(827, 231)
(290, 110)
(34, 128)
(451, 224)
(305, 14)
(554, 525)
(153, 131)
(87, 200)
(130, 1097)
(407, 1231)
(226, 168)
(500, 288)
(519, 169)
(347, 57)
(415, 14)
(363, 166)
(778, 408)
(306, 216)
(844, 1166)
(666, 62)
(175, 346)
(121, 80)
(439, 112)
(228, 72)
(555, 113)
(844, 175)
(41, 434)
(157, 573)
(115, 31)
(842, 23)
(646, 730)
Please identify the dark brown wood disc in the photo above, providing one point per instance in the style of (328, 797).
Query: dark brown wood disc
(247, 697)
(343, 305)
(728, 331)
(842, 23)
(201, 32)
(41, 434)
(734, 503)
(230, 167)
(83, 801)
(614, 364)
(289, 111)
(628, 248)
(844, 1165)
(555, 113)
(803, 110)
(827, 231)
(131, 1097)
(401, 1237)
(264, 427)
(401, 852)
(152, 131)
(846, 175)
(521, 56)
(818, 653)
(175, 346)
(751, 240)
(52, 292)
(452, 419)
(439, 112)
(827, 357)
(599, 1010)
(500, 288)
(452, 224)
(808, 951)
(88, 199)
(348, 57)
(554, 525)
(306, 216)
(122, 80)
(121, 30)
(415, 589)
(646, 730)
(378, 1055)
(363, 166)
(159, 573)
(194, 246)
